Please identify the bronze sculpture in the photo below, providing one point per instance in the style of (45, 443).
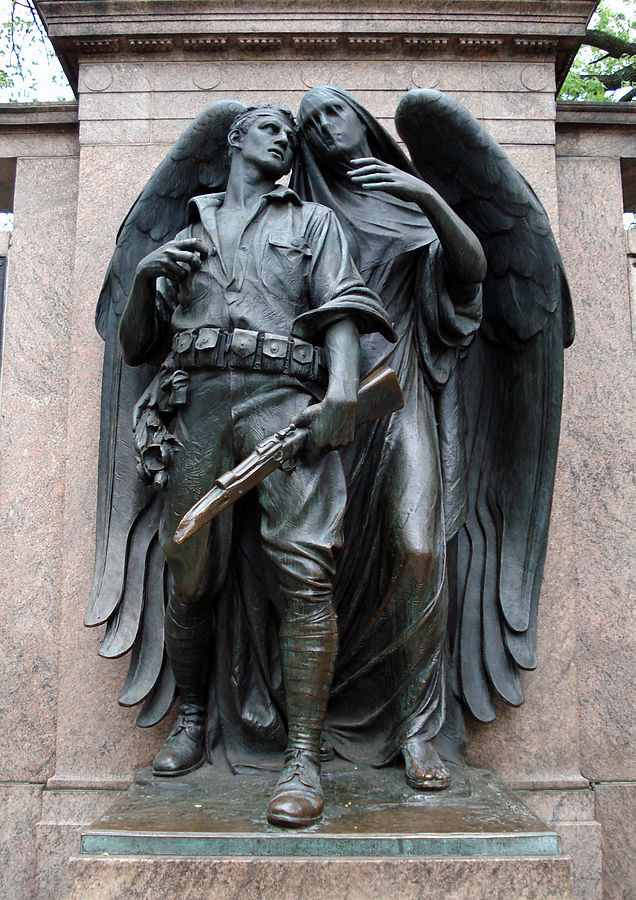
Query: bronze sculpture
(422, 486)
(239, 300)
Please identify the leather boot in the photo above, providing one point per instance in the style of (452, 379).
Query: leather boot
(298, 798)
(184, 750)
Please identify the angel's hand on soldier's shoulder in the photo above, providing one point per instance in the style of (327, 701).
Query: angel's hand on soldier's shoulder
(175, 260)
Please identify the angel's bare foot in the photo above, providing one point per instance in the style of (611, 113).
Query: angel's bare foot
(423, 768)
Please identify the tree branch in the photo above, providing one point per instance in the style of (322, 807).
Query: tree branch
(614, 80)
(36, 19)
(15, 49)
(614, 46)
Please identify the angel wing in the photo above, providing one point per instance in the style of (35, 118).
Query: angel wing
(511, 378)
(128, 584)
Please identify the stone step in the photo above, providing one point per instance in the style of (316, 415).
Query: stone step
(258, 878)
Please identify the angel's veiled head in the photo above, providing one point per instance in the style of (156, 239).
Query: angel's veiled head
(332, 127)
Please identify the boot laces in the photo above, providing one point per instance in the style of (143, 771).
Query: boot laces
(190, 720)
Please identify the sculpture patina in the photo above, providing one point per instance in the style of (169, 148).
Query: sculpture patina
(359, 601)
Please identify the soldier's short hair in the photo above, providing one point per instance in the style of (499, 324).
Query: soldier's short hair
(243, 121)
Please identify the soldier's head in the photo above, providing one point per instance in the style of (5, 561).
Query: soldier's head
(266, 136)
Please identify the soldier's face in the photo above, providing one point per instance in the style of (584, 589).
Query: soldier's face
(269, 145)
(333, 129)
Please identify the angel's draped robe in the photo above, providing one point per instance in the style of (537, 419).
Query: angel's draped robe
(406, 499)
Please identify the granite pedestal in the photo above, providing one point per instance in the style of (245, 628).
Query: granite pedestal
(376, 832)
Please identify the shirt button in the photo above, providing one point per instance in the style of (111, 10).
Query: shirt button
(296, 242)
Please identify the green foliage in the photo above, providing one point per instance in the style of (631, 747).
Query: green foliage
(29, 68)
(581, 83)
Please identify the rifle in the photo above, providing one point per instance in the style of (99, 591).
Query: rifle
(378, 395)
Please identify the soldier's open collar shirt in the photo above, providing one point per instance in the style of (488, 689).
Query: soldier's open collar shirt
(292, 274)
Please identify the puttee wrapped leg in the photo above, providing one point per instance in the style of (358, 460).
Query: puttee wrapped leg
(309, 644)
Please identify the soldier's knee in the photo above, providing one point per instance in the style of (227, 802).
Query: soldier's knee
(310, 583)
(193, 573)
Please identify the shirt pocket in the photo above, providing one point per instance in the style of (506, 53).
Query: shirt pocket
(195, 287)
(285, 265)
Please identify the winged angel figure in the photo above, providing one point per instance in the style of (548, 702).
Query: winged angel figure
(448, 501)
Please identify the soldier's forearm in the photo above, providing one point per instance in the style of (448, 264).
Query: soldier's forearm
(138, 328)
(342, 351)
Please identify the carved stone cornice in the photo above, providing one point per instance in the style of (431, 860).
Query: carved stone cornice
(53, 117)
(342, 28)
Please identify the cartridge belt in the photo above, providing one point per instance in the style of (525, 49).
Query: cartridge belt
(242, 349)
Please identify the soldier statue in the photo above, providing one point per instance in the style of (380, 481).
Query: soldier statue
(386, 578)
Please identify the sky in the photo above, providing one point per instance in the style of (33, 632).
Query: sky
(45, 80)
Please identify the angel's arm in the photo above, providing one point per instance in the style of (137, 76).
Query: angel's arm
(140, 328)
(463, 253)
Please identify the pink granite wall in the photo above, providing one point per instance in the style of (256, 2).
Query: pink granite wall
(599, 437)
(32, 484)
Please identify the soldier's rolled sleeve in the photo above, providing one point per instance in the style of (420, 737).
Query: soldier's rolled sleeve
(336, 289)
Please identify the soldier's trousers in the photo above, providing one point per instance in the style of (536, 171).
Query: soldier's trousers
(227, 414)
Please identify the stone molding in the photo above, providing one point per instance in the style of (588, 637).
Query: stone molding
(596, 114)
(458, 44)
(599, 131)
(43, 116)
(481, 28)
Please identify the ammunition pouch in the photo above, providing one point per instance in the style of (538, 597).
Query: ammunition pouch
(243, 349)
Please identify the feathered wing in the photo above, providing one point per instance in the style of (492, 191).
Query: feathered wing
(128, 584)
(511, 380)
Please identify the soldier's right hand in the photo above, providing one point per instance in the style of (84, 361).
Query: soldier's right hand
(174, 260)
